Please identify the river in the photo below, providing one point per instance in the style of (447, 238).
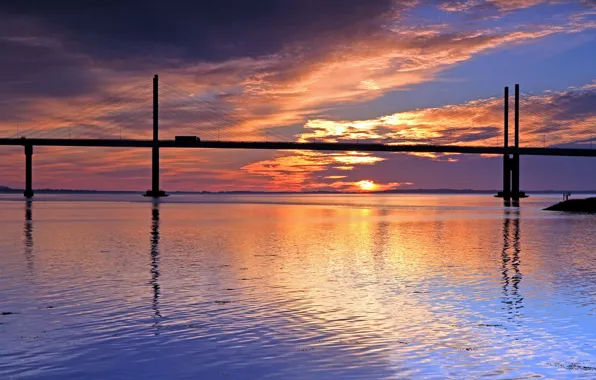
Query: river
(295, 287)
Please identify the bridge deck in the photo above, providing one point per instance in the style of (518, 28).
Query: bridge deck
(316, 146)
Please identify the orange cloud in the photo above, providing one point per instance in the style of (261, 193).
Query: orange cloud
(566, 117)
(364, 185)
(255, 97)
(296, 170)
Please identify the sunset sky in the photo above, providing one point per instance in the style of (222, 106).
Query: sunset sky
(297, 70)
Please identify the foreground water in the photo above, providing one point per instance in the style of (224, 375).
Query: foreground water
(295, 287)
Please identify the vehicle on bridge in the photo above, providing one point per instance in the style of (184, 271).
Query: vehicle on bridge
(188, 138)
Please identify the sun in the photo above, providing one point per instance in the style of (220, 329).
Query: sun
(366, 185)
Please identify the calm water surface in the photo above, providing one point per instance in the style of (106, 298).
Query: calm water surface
(295, 287)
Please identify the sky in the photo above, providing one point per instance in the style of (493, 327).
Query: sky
(396, 72)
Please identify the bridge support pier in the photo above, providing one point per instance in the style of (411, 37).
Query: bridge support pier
(516, 194)
(511, 193)
(28, 193)
(506, 193)
(511, 190)
(155, 192)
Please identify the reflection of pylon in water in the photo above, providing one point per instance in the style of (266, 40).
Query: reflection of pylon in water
(155, 259)
(510, 261)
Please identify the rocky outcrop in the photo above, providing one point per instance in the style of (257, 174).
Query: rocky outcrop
(575, 205)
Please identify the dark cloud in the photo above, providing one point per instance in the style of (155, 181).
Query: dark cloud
(206, 30)
(567, 114)
(33, 67)
(477, 134)
(575, 104)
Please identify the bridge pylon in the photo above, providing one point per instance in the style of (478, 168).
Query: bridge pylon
(511, 193)
(155, 192)
(28, 193)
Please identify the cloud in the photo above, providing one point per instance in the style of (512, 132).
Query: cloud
(296, 171)
(503, 6)
(570, 113)
(254, 70)
(210, 31)
(480, 5)
(61, 75)
(293, 85)
(312, 61)
(565, 117)
(555, 118)
(361, 186)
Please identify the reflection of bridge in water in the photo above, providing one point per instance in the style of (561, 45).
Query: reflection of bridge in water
(154, 252)
(155, 259)
(28, 232)
(511, 273)
(510, 264)
(511, 174)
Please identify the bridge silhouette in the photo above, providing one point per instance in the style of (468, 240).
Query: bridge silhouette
(511, 154)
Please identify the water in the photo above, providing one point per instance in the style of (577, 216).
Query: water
(295, 287)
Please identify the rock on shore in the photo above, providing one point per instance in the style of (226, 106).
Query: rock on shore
(575, 205)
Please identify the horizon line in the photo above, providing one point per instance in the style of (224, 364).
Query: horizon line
(9, 190)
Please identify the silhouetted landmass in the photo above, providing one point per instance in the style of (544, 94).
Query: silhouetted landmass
(9, 190)
(6, 189)
(575, 205)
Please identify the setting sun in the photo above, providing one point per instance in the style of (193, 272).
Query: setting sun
(366, 185)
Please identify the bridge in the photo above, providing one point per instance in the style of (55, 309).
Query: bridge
(314, 146)
(511, 154)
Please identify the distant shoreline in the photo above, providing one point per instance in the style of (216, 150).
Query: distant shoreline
(8, 190)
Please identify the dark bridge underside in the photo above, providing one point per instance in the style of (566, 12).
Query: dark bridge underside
(318, 146)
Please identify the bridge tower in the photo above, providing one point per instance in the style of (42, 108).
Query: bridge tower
(511, 190)
(28, 193)
(155, 192)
